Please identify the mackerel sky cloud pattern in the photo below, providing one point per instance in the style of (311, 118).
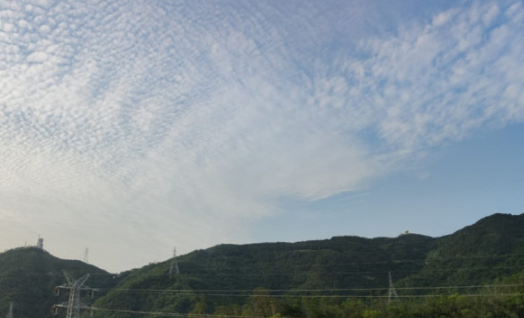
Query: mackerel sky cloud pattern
(132, 126)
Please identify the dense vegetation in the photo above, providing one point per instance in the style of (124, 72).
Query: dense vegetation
(498, 302)
(28, 276)
(475, 272)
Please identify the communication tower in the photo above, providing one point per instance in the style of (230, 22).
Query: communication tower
(40, 243)
(86, 255)
(75, 287)
(174, 265)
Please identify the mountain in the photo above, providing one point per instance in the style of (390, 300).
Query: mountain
(490, 249)
(327, 264)
(478, 254)
(229, 275)
(29, 274)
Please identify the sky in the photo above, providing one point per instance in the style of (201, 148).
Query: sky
(129, 128)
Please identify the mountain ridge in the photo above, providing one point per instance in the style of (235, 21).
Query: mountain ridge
(490, 249)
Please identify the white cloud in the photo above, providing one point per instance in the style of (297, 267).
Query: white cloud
(441, 80)
(185, 124)
(37, 57)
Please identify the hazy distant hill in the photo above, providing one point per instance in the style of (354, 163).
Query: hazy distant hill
(492, 248)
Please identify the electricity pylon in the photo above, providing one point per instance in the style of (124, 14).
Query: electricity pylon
(174, 265)
(392, 293)
(73, 305)
(10, 314)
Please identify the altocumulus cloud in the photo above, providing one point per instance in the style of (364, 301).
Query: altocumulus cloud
(147, 123)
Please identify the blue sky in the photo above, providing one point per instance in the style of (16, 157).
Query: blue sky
(460, 184)
(129, 128)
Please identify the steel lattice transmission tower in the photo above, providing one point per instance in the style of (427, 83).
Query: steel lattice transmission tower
(392, 293)
(174, 265)
(75, 287)
(10, 314)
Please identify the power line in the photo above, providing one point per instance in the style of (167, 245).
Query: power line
(388, 262)
(186, 291)
(176, 314)
(167, 314)
(332, 273)
(306, 271)
(345, 265)
(424, 260)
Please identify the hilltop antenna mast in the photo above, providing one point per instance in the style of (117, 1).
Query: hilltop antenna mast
(86, 254)
(73, 305)
(10, 314)
(392, 293)
(174, 265)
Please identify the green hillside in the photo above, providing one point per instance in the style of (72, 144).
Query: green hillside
(232, 272)
(289, 278)
(28, 276)
(477, 254)
(354, 266)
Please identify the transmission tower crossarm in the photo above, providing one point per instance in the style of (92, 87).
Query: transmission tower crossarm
(80, 282)
(73, 304)
(69, 279)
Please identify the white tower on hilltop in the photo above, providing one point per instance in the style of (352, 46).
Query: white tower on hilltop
(40, 243)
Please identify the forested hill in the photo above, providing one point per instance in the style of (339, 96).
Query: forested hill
(480, 253)
(29, 274)
(227, 275)
(235, 270)
(490, 249)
